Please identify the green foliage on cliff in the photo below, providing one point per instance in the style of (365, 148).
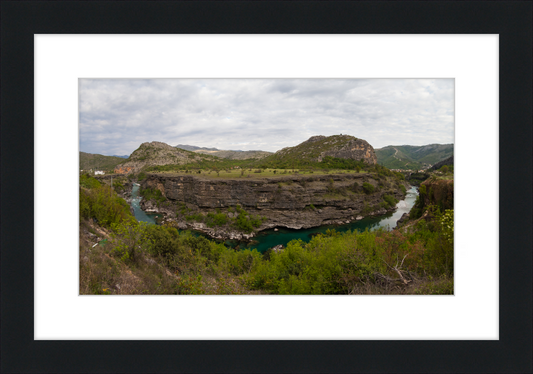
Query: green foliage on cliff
(368, 188)
(243, 221)
(216, 219)
(434, 193)
(247, 222)
(152, 194)
(390, 200)
(101, 203)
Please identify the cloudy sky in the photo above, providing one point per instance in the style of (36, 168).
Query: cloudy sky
(117, 115)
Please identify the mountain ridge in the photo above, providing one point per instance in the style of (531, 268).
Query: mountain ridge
(413, 157)
(229, 154)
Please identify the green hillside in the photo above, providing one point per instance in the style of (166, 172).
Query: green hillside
(413, 157)
(100, 162)
(319, 148)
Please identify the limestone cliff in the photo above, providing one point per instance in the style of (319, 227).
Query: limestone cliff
(294, 201)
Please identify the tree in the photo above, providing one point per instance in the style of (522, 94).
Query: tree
(130, 239)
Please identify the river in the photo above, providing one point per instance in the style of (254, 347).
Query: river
(270, 238)
(140, 214)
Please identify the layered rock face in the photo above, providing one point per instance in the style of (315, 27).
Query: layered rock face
(293, 202)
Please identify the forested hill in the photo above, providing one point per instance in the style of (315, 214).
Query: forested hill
(100, 162)
(413, 157)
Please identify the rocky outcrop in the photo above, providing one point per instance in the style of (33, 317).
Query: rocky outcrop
(437, 192)
(340, 146)
(121, 169)
(156, 153)
(294, 202)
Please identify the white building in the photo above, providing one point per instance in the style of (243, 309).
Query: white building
(98, 172)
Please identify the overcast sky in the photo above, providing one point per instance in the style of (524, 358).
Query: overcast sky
(117, 115)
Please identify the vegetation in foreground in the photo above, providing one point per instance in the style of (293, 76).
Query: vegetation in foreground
(134, 258)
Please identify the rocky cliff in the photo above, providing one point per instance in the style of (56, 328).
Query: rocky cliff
(433, 192)
(438, 192)
(294, 201)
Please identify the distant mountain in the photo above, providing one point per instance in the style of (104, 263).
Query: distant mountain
(230, 154)
(317, 148)
(95, 161)
(413, 157)
(194, 148)
(125, 156)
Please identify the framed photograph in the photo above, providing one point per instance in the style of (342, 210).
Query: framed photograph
(59, 81)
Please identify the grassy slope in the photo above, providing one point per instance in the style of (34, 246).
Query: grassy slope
(265, 173)
(96, 161)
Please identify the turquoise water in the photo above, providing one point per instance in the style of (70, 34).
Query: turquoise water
(270, 238)
(140, 214)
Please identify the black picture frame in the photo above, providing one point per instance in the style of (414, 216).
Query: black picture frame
(21, 20)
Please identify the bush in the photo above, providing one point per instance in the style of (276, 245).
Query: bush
(243, 223)
(153, 194)
(89, 182)
(390, 200)
(331, 263)
(368, 188)
(216, 219)
(130, 241)
(102, 204)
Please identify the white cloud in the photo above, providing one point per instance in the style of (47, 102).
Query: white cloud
(117, 115)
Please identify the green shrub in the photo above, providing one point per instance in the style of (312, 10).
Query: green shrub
(390, 200)
(118, 186)
(216, 219)
(129, 240)
(153, 194)
(89, 182)
(368, 188)
(102, 204)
